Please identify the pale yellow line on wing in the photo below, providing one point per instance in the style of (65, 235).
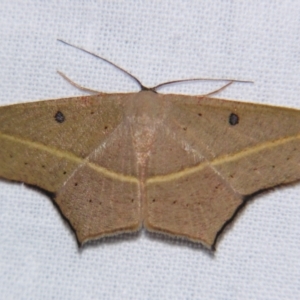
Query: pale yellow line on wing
(70, 156)
(154, 179)
(222, 160)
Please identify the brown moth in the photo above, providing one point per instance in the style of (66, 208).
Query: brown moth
(174, 164)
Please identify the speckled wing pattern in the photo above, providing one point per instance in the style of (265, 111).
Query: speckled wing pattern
(225, 151)
(180, 165)
(76, 158)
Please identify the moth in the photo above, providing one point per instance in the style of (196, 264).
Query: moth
(174, 164)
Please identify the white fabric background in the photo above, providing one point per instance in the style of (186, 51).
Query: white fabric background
(259, 256)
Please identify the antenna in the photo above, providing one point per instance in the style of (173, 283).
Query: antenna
(154, 88)
(106, 60)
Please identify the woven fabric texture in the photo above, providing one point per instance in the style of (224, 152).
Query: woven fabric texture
(258, 257)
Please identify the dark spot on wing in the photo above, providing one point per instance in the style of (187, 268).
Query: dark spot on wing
(233, 119)
(199, 114)
(59, 117)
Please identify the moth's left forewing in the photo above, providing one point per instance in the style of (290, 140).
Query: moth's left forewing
(43, 142)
